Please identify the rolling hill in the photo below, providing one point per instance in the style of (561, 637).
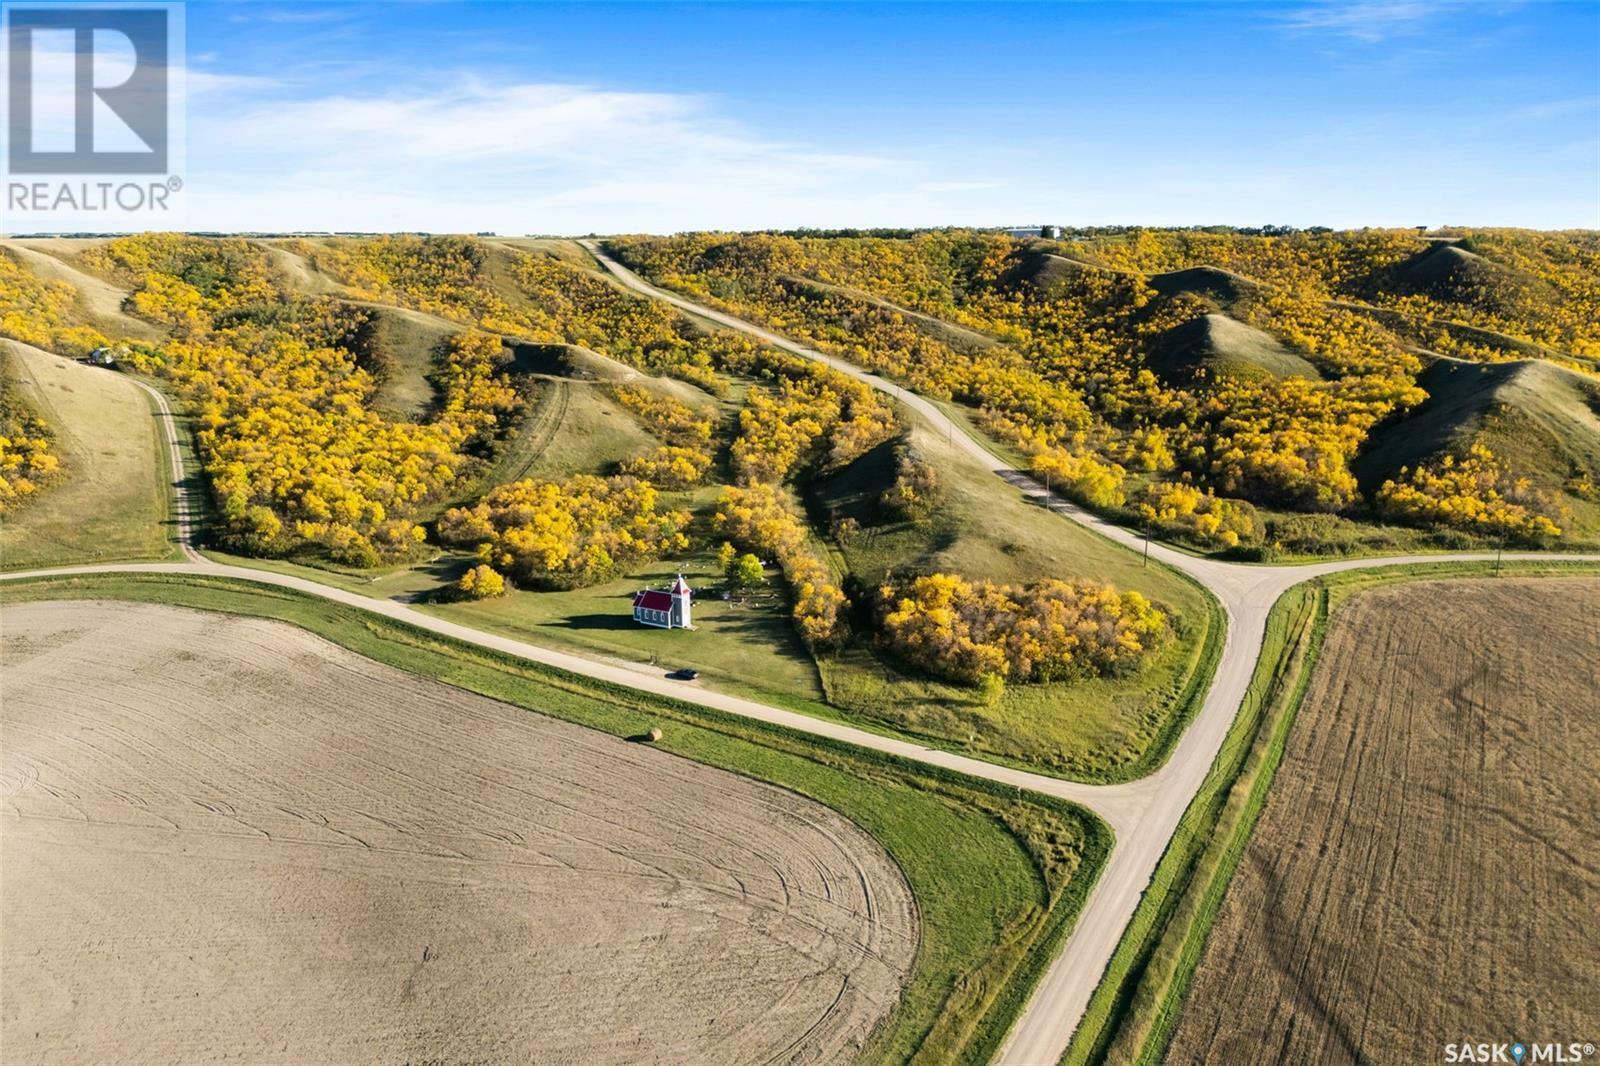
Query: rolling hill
(1215, 346)
(1454, 275)
(1223, 286)
(1540, 420)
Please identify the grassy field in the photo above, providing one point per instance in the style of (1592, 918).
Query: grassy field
(1447, 738)
(747, 644)
(111, 501)
(575, 429)
(997, 877)
(1133, 1012)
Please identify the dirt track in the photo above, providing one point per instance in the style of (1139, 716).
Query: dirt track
(1425, 871)
(227, 837)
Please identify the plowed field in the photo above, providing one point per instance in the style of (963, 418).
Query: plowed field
(224, 837)
(1426, 869)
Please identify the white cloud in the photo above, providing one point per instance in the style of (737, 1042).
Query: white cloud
(538, 157)
(1368, 21)
(958, 186)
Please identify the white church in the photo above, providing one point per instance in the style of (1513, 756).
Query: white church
(665, 609)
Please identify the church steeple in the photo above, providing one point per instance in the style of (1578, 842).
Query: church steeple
(681, 595)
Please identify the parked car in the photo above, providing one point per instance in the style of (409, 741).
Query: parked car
(684, 674)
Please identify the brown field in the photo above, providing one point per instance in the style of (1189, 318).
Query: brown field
(226, 838)
(1426, 869)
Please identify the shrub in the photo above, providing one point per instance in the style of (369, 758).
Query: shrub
(481, 583)
(914, 495)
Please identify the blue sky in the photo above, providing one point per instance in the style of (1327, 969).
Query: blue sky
(566, 118)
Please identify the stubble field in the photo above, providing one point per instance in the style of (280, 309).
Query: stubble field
(226, 837)
(1425, 870)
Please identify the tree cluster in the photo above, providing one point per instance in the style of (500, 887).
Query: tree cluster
(566, 534)
(295, 454)
(1051, 631)
(28, 460)
(759, 520)
(1471, 492)
(1200, 516)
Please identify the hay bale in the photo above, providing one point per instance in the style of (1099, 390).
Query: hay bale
(654, 734)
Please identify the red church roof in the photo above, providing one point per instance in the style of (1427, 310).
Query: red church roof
(653, 600)
(680, 587)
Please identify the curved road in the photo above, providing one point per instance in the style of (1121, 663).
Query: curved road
(1142, 813)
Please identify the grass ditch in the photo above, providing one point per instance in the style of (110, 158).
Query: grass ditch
(998, 877)
(1132, 1014)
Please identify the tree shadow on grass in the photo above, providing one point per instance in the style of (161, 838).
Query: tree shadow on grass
(603, 621)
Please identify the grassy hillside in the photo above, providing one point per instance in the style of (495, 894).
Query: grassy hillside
(1221, 285)
(1538, 419)
(1448, 272)
(401, 350)
(110, 500)
(99, 301)
(1215, 346)
(299, 272)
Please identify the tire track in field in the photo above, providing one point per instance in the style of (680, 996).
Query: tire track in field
(355, 864)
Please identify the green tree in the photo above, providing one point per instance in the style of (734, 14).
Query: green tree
(746, 572)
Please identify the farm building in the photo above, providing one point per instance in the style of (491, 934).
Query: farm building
(667, 609)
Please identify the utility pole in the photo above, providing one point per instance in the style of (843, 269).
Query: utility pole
(1499, 550)
(1146, 542)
